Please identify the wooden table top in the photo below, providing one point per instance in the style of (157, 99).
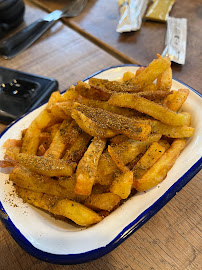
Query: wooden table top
(170, 239)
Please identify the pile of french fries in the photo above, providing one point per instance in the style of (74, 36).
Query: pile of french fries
(93, 146)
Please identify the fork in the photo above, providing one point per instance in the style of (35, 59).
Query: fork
(20, 41)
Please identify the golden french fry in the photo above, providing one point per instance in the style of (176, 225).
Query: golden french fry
(76, 151)
(59, 143)
(45, 165)
(158, 172)
(87, 167)
(150, 73)
(164, 143)
(140, 69)
(154, 95)
(177, 101)
(149, 107)
(31, 138)
(77, 212)
(55, 97)
(117, 160)
(53, 129)
(26, 179)
(90, 126)
(168, 130)
(110, 87)
(151, 87)
(122, 184)
(127, 152)
(105, 201)
(85, 90)
(105, 106)
(12, 143)
(153, 153)
(59, 110)
(119, 139)
(68, 183)
(121, 124)
(70, 95)
(164, 81)
(128, 75)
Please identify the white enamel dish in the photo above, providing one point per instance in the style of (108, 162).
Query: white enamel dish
(55, 241)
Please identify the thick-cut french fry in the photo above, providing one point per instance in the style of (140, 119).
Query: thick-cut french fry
(59, 110)
(115, 157)
(154, 152)
(127, 152)
(45, 141)
(55, 97)
(154, 95)
(105, 201)
(87, 167)
(151, 87)
(119, 139)
(45, 165)
(53, 129)
(59, 143)
(77, 212)
(69, 184)
(128, 75)
(111, 87)
(104, 119)
(168, 130)
(150, 73)
(164, 81)
(91, 127)
(12, 143)
(70, 95)
(179, 98)
(149, 107)
(85, 90)
(164, 143)
(26, 179)
(76, 151)
(122, 184)
(139, 70)
(31, 139)
(159, 170)
(105, 106)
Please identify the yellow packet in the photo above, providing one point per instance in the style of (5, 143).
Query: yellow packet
(159, 10)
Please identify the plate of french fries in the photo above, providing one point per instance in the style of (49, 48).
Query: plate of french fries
(84, 171)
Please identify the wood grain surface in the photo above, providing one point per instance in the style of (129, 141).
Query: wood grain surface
(99, 20)
(169, 240)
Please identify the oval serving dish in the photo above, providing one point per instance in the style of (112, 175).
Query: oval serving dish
(59, 242)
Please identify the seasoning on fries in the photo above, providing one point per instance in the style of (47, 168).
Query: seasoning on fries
(90, 148)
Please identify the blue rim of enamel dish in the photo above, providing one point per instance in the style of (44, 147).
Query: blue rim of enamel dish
(123, 235)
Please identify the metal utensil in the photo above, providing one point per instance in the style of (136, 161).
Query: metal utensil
(24, 38)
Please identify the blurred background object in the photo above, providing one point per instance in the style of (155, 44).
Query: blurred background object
(11, 15)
